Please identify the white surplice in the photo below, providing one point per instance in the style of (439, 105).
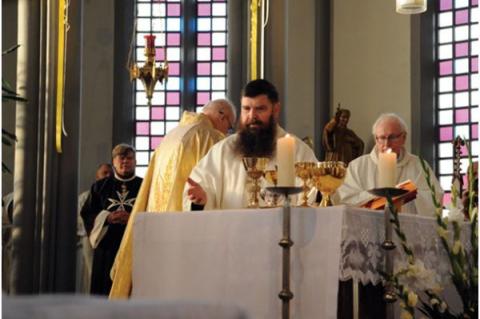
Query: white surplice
(223, 177)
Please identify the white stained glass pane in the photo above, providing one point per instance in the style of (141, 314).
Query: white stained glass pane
(474, 81)
(219, 38)
(173, 24)
(463, 165)
(143, 24)
(219, 24)
(446, 182)
(143, 10)
(170, 126)
(139, 85)
(461, 99)
(173, 83)
(142, 158)
(445, 19)
(159, 39)
(475, 148)
(462, 131)
(157, 128)
(474, 15)
(140, 171)
(445, 150)
(474, 96)
(203, 84)
(446, 166)
(141, 143)
(461, 3)
(159, 10)
(474, 31)
(172, 113)
(142, 113)
(474, 114)
(461, 33)
(218, 95)
(461, 66)
(199, 109)
(140, 52)
(219, 9)
(445, 117)
(445, 35)
(445, 84)
(218, 83)
(203, 24)
(474, 48)
(445, 101)
(141, 98)
(445, 52)
(218, 68)
(173, 54)
(203, 54)
(157, 98)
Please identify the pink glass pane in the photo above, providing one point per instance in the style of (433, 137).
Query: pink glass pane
(173, 10)
(203, 97)
(155, 141)
(218, 54)
(461, 17)
(474, 2)
(447, 198)
(463, 150)
(173, 98)
(475, 131)
(445, 5)
(143, 128)
(446, 133)
(173, 39)
(158, 113)
(204, 9)
(160, 54)
(446, 67)
(461, 49)
(462, 116)
(174, 69)
(461, 82)
(474, 64)
(203, 69)
(204, 39)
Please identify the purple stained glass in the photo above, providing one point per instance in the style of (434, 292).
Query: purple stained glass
(143, 128)
(474, 64)
(173, 10)
(474, 2)
(463, 150)
(447, 198)
(204, 39)
(173, 39)
(173, 98)
(445, 5)
(203, 69)
(174, 68)
(474, 131)
(158, 113)
(204, 9)
(461, 82)
(461, 17)
(445, 67)
(461, 49)
(218, 54)
(446, 133)
(462, 116)
(203, 97)
(155, 141)
(160, 54)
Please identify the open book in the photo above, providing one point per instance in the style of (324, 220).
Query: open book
(379, 202)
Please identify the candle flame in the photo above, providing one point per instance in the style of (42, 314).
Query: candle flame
(389, 150)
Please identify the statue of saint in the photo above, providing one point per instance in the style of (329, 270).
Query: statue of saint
(340, 142)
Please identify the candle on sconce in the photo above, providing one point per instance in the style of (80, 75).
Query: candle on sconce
(387, 169)
(285, 159)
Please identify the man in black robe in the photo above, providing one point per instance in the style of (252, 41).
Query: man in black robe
(106, 212)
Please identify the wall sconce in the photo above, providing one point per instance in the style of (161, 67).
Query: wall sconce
(411, 6)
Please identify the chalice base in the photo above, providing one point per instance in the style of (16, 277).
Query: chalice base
(326, 200)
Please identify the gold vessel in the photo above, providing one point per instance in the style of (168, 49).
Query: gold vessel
(327, 177)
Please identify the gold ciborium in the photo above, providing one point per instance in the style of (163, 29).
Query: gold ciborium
(255, 167)
(328, 176)
(304, 171)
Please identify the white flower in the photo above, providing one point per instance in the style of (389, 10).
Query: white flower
(455, 212)
(417, 277)
(412, 299)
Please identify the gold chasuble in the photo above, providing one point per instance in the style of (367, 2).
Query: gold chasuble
(162, 187)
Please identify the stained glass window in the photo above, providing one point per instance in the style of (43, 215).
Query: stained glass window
(457, 84)
(166, 20)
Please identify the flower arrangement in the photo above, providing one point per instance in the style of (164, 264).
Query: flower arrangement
(412, 277)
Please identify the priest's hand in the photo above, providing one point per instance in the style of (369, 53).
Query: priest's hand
(195, 193)
(118, 217)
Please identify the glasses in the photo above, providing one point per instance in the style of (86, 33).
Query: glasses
(390, 138)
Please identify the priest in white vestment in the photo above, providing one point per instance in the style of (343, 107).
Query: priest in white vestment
(390, 132)
(219, 180)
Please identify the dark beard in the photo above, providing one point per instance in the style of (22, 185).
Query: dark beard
(258, 142)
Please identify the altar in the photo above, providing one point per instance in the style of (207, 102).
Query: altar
(232, 257)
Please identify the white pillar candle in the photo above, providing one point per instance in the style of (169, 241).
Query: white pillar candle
(387, 169)
(285, 159)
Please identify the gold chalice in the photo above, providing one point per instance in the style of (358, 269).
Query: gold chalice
(328, 176)
(304, 171)
(255, 167)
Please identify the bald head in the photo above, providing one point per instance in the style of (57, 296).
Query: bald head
(222, 114)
